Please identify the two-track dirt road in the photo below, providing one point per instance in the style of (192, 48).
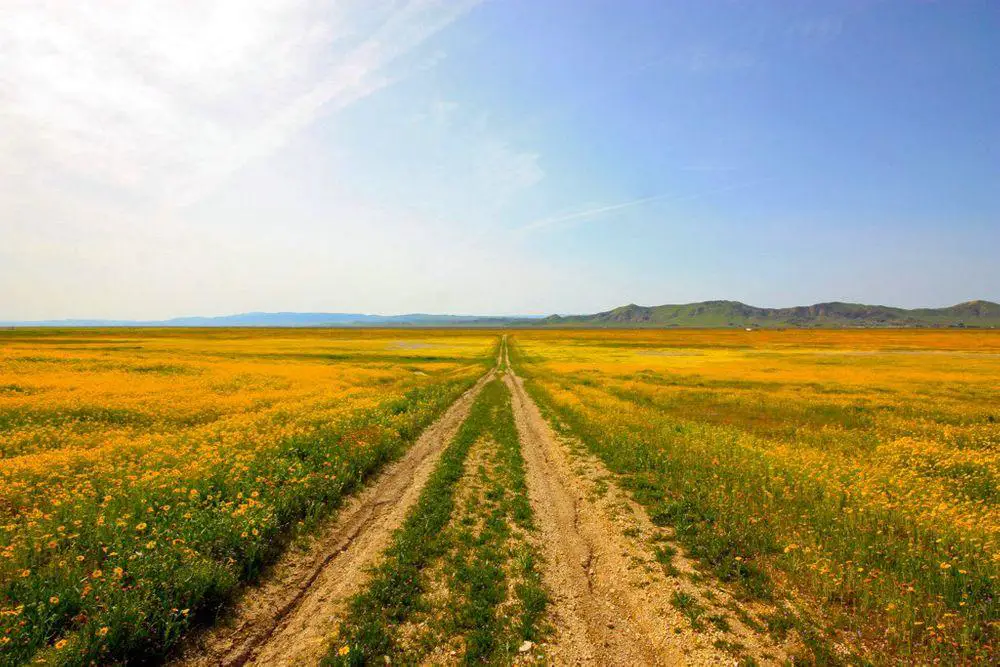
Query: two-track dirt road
(289, 618)
(610, 601)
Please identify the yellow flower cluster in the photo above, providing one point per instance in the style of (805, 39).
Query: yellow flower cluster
(130, 457)
(861, 465)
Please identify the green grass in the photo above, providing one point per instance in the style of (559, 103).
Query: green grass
(478, 543)
(664, 555)
(478, 564)
(690, 607)
(161, 592)
(698, 462)
(395, 590)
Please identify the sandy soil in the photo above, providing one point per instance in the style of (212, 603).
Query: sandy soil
(290, 617)
(610, 598)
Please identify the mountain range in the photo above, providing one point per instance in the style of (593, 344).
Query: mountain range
(283, 319)
(833, 314)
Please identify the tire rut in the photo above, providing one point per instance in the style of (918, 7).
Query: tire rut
(609, 606)
(289, 618)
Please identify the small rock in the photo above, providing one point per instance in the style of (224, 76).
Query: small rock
(525, 646)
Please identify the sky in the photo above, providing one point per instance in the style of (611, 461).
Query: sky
(206, 157)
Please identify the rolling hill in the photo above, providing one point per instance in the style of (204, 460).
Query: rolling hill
(978, 314)
(831, 314)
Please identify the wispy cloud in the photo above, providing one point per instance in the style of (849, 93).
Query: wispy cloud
(818, 30)
(706, 60)
(707, 168)
(601, 211)
(592, 212)
(164, 99)
(702, 59)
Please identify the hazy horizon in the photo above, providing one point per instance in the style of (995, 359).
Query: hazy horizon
(169, 159)
(362, 313)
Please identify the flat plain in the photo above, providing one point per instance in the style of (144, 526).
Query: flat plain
(147, 474)
(441, 496)
(847, 477)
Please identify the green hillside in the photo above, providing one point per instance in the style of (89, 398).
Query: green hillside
(832, 314)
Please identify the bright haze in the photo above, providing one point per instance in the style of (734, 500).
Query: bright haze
(174, 157)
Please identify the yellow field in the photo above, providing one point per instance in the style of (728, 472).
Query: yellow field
(144, 474)
(842, 484)
(852, 472)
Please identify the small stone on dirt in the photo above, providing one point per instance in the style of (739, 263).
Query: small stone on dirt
(525, 646)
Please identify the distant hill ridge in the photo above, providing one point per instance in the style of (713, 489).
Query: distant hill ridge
(701, 314)
(831, 314)
(282, 319)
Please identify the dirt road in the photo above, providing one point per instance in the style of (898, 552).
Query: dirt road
(290, 618)
(610, 599)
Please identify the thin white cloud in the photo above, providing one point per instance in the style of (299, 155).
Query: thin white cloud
(702, 59)
(600, 211)
(592, 212)
(164, 99)
(712, 60)
(820, 30)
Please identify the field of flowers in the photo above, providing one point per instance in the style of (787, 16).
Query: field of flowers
(850, 477)
(145, 474)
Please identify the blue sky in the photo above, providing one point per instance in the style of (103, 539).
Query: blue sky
(504, 156)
